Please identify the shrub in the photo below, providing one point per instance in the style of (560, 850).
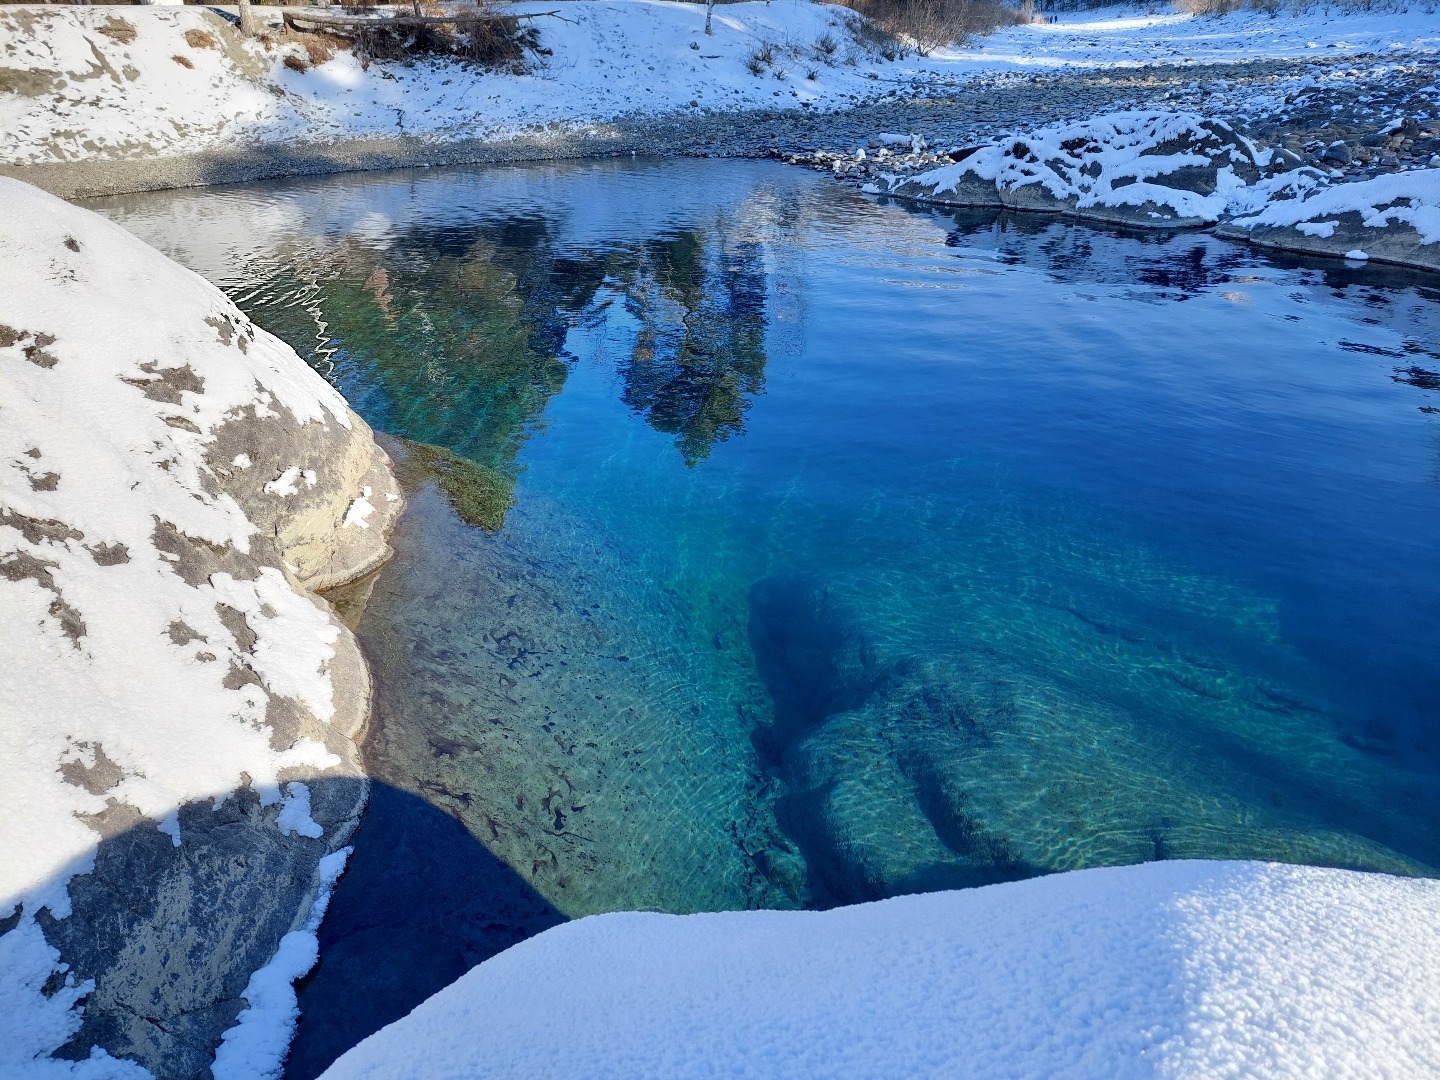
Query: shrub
(926, 25)
(483, 35)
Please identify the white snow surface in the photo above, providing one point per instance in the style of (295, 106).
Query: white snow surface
(1176, 969)
(85, 453)
(107, 97)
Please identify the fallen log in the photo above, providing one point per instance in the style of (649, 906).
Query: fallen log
(363, 22)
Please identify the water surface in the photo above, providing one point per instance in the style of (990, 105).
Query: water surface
(837, 549)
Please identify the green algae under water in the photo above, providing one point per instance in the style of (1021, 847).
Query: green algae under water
(857, 549)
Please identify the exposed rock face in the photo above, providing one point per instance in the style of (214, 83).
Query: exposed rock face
(179, 708)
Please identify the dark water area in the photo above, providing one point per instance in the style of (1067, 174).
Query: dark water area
(775, 546)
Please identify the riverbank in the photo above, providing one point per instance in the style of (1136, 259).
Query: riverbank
(99, 106)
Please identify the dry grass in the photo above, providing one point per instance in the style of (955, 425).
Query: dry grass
(200, 39)
(117, 29)
(482, 35)
(896, 27)
(183, 61)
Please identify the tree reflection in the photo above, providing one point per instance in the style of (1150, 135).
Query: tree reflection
(699, 352)
(456, 337)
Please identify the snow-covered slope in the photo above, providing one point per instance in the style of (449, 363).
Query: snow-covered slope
(175, 482)
(1185, 969)
(85, 83)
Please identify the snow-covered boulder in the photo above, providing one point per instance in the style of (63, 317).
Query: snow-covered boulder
(1167, 969)
(1143, 169)
(178, 709)
(1393, 218)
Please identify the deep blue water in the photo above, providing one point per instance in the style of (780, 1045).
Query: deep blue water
(858, 548)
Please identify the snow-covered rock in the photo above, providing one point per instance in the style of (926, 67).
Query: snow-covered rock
(1194, 969)
(1144, 169)
(1393, 218)
(178, 709)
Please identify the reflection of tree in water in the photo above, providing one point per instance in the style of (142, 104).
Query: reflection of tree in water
(456, 336)
(447, 336)
(699, 353)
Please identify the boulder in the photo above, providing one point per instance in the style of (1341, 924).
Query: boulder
(1393, 219)
(180, 705)
(1139, 169)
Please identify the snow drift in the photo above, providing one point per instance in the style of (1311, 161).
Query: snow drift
(1166, 969)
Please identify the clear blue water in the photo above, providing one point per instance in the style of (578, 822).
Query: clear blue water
(858, 549)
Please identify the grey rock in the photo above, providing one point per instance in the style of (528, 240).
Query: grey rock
(169, 933)
(171, 960)
(1393, 243)
(1338, 152)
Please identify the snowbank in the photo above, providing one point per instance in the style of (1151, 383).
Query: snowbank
(164, 666)
(1166, 969)
(170, 81)
(99, 83)
(1169, 170)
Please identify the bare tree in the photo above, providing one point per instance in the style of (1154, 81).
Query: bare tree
(247, 19)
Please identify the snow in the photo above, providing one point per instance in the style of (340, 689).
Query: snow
(358, 514)
(110, 661)
(1182, 969)
(289, 481)
(1133, 37)
(1107, 161)
(255, 1048)
(1410, 198)
(294, 816)
(1115, 160)
(610, 59)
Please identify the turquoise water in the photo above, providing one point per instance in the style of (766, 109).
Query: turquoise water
(857, 549)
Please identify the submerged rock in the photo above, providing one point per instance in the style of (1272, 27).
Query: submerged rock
(910, 774)
(179, 706)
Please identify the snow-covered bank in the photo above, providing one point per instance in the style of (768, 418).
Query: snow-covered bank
(178, 709)
(1166, 969)
(1167, 170)
(94, 84)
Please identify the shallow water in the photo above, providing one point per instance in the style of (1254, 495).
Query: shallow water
(857, 549)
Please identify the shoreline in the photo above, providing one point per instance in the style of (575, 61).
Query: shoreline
(954, 111)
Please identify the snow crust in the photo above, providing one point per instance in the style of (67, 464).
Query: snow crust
(96, 95)
(116, 673)
(1184, 969)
